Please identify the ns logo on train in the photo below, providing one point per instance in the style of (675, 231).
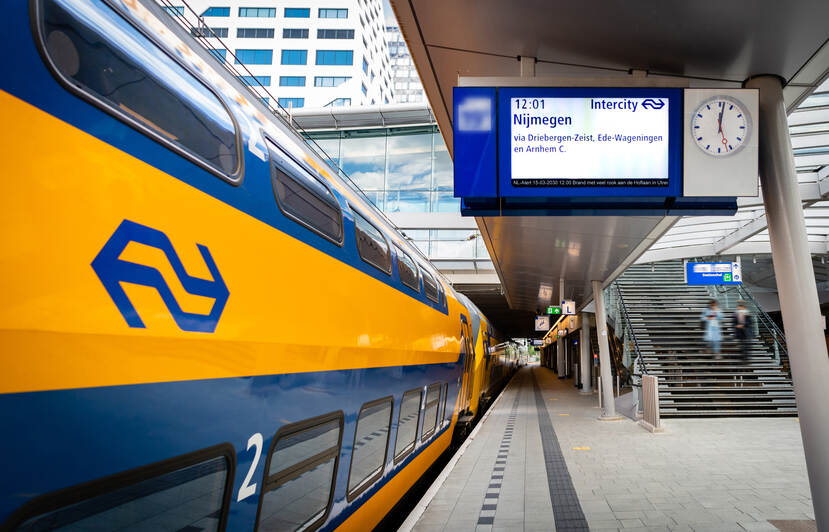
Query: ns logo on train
(112, 271)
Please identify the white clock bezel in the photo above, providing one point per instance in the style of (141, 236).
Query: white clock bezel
(746, 137)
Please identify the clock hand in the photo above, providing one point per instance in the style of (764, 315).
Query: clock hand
(719, 120)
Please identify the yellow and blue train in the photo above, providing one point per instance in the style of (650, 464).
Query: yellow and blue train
(203, 327)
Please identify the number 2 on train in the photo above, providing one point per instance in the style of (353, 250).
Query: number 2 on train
(247, 489)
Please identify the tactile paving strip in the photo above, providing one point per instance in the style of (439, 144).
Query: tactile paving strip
(493, 491)
(567, 510)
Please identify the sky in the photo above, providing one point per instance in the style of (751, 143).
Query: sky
(388, 14)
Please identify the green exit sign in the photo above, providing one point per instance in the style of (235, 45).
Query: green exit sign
(553, 310)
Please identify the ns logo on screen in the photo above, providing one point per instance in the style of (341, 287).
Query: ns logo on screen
(112, 271)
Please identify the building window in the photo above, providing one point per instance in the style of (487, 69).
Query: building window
(363, 86)
(254, 33)
(218, 53)
(330, 81)
(335, 34)
(265, 100)
(254, 57)
(291, 81)
(335, 57)
(294, 33)
(294, 57)
(297, 12)
(339, 102)
(333, 13)
(216, 12)
(254, 81)
(209, 32)
(298, 487)
(365, 65)
(263, 12)
(292, 103)
(174, 10)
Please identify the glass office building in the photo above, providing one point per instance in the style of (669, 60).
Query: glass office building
(398, 158)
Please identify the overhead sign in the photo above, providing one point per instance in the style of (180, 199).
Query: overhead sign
(568, 307)
(588, 138)
(553, 310)
(542, 323)
(713, 273)
(579, 150)
(538, 342)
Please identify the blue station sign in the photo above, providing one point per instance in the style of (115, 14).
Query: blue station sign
(713, 273)
(532, 150)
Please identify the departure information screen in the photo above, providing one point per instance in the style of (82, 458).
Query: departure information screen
(599, 140)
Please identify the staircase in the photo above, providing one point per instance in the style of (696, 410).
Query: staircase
(664, 315)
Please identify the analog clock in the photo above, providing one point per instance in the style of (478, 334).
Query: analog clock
(721, 126)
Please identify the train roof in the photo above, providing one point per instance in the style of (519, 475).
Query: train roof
(257, 119)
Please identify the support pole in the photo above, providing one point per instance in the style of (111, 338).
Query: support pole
(586, 363)
(560, 360)
(606, 388)
(796, 288)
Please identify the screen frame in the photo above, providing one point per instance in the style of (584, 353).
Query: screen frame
(675, 142)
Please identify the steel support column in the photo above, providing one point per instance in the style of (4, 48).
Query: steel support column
(586, 363)
(560, 359)
(606, 389)
(796, 288)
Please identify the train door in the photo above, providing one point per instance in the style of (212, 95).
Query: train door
(468, 365)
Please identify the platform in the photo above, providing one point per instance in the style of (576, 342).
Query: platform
(541, 460)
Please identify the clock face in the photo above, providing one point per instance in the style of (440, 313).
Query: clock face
(721, 126)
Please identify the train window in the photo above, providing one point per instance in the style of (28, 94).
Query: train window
(297, 490)
(370, 444)
(183, 493)
(407, 270)
(430, 411)
(443, 408)
(304, 198)
(98, 55)
(430, 286)
(372, 244)
(407, 424)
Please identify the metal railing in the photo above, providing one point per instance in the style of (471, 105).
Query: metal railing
(764, 325)
(628, 328)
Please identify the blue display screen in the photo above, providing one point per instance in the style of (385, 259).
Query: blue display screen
(713, 273)
(576, 142)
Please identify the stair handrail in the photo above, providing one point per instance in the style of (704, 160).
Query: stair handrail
(627, 323)
(770, 324)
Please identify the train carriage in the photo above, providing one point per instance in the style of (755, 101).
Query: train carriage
(203, 326)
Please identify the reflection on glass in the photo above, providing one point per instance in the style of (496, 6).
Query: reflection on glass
(369, 444)
(363, 159)
(443, 169)
(407, 423)
(407, 201)
(297, 488)
(446, 202)
(453, 249)
(408, 163)
(299, 501)
(108, 58)
(186, 499)
(371, 244)
(430, 411)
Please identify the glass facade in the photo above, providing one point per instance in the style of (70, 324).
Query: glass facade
(406, 169)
